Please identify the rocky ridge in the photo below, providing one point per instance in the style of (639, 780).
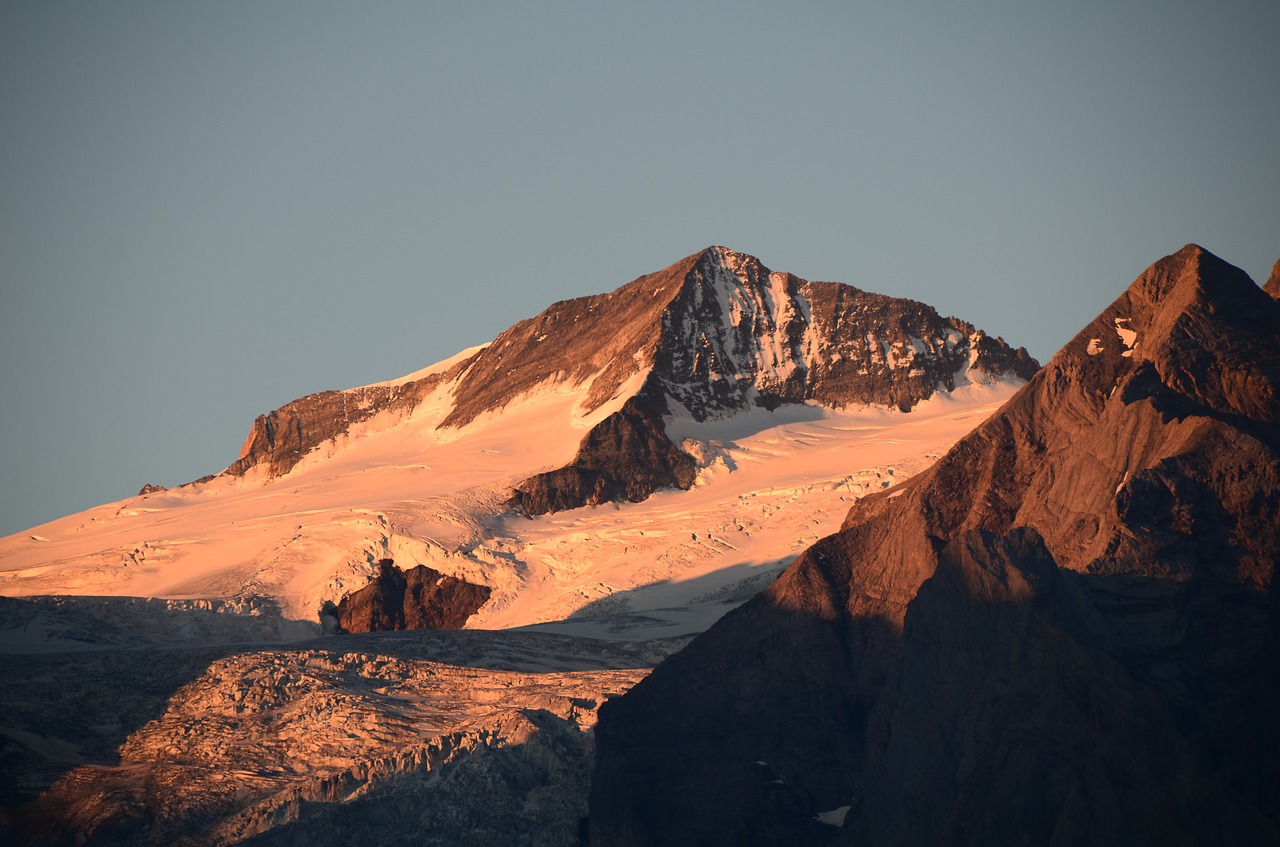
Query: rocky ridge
(1065, 631)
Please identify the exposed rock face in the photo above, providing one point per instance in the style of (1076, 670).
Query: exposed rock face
(731, 335)
(738, 335)
(280, 439)
(712, 334)
(1272, 285)
(1066, 631)
(626, 457)
(419, 598)
(150, 488)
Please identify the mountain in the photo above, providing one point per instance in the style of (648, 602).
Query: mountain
(478, 467)
(582, 494)
(1067, 630)
(714, 334)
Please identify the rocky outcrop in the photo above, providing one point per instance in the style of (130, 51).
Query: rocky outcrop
(419, 598)
(150, 488)
(1066, 631)
(627, 456)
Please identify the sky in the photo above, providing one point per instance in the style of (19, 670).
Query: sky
(210, 209)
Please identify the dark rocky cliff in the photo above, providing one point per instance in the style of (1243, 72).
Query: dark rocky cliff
(419, 598)
(627, 456)
(1067, 631)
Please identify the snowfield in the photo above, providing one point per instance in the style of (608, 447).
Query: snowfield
(769, 484)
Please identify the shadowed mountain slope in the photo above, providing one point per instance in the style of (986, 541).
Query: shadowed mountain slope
(1064, 632)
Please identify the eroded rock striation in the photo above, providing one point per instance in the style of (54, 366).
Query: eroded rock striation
(1066, 631)
(713, 334)
(419, 598)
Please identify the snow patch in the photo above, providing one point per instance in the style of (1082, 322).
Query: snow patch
(835, 817)
(1095, 346)
(1128, 337)
(1122, 482)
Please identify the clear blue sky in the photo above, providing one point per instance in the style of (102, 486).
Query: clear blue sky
(209, 209)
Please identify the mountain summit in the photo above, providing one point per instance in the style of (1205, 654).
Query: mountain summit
(1065, 631)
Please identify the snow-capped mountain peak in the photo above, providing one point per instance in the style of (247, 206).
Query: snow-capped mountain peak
(715, 333)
